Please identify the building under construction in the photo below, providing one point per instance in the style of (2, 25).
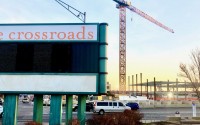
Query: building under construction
(160, 90)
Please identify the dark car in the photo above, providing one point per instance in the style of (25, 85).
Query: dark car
(1, 115)
(25, 100)
(89, 107)
(1, 101)
(133, 105)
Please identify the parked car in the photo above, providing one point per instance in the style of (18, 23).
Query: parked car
(1, 101)
(89, 107)
(133, 105)
(1, 111)
(46, 101)
(102, 107)
(25, 100)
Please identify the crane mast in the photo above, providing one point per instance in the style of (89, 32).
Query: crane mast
(122, 49)
(122, 5)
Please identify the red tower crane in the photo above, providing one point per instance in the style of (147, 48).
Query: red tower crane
(122, 5)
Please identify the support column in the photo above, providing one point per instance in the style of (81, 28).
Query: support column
(128, 84)
(38, 108)
(10, 109)
(147, 89)
(133, 84)
(185, 90)
(136, 81)
(55, 116)
(141, 83)
(154, 88)
(177, 89)
(81, 108)
(69, 104)
(168, 86)
(168, 98)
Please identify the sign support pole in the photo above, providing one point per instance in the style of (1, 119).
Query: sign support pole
(81, 108)
(55, 115)
(10, 109)
(69, 103)
(38, 108)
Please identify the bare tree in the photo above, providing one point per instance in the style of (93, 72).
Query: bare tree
(192, 71)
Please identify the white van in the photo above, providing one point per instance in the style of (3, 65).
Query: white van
(102, 107)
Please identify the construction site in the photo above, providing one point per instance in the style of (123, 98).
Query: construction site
(161, 90)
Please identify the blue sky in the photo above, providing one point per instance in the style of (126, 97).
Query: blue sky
(151, 50)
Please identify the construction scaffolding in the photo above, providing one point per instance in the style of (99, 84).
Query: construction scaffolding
(160, 90)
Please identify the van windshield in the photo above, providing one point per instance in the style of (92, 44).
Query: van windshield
(120, 104)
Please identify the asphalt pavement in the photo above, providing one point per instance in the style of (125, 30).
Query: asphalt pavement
(25, 113)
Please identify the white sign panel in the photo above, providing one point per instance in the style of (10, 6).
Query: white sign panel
(48, 83)
(48, 32)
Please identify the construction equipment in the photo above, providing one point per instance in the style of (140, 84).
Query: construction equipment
(75, 12)
(122, 5)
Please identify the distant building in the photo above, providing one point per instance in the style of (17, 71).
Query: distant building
(108, 87)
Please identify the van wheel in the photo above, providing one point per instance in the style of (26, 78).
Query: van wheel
(101, 112)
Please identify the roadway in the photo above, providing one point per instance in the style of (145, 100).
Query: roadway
(164, 113)
(25, 113)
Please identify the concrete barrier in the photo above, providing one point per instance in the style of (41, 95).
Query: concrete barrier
(196, 118)
(190, 122)
(166, 103)
(173, 118)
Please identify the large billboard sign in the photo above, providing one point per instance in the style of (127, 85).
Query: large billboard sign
(53, 58)
(48, 32)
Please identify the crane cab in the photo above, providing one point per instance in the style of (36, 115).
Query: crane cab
(122, 3)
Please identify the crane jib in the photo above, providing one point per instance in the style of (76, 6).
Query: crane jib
(139, 12)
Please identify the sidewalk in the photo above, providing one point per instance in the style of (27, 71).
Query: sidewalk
(184, 120)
